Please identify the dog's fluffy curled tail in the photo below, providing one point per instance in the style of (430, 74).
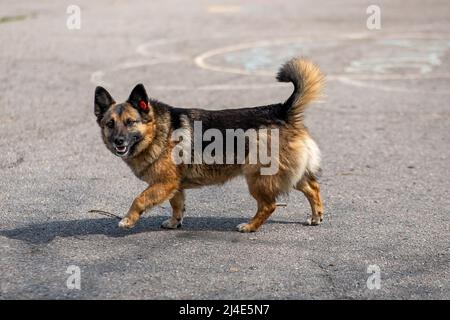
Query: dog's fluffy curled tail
(308, 84)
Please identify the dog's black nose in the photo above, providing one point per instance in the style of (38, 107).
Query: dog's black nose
(119, 141)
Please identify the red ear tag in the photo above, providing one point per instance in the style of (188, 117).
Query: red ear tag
(143, 105)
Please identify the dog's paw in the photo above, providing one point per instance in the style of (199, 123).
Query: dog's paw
(171, 224)
(314, 221)
(126, 223)
(245, 228)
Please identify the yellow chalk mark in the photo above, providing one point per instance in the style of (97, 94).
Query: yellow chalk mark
(224, 8)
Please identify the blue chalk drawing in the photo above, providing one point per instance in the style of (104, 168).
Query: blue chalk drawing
(401, 56)
(269, 58)
(377, 57)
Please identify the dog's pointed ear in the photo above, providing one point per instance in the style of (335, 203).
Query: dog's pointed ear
(103, 101)
(139, 98)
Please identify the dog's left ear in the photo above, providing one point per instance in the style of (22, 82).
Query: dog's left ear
(139, 99)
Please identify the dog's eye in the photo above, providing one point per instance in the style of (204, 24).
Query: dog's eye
(110, 124)
(129, 122)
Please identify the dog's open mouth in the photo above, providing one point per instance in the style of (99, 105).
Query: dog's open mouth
(121, 150)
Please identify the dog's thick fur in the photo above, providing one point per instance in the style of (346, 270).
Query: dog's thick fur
(139, 130)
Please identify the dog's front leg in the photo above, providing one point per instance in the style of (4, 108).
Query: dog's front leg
(149, 198)
(177, 204)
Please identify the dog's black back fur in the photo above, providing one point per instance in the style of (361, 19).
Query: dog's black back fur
(243, 118)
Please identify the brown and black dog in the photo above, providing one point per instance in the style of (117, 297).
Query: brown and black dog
(141, 132)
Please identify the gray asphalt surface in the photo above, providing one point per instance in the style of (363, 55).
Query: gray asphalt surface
(383, 129)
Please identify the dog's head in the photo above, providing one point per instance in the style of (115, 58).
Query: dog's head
(127, 128)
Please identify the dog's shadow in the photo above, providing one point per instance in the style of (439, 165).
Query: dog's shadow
(46, 232)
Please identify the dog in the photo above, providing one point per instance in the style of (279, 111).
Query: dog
(141, 132)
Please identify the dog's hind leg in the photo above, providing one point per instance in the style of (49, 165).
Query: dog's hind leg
(311, 189)
(266, 205)
(178, 208)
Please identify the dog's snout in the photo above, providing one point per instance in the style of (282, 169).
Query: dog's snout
(118, 141)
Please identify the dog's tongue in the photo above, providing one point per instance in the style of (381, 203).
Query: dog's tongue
(121, 149)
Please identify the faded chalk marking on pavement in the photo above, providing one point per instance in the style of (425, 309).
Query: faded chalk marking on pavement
(223, 8)
(420, 58)
(415, 57)
(201, 60)
(365, 84)
(97, 77)
(421, 55)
